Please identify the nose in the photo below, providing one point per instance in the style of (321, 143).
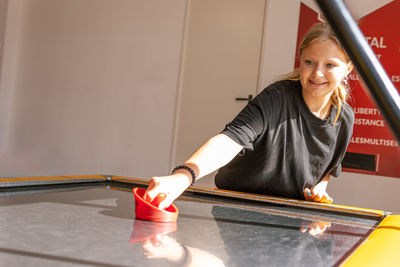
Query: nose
(318, 71)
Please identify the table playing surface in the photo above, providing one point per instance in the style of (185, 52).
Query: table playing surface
(93, 224)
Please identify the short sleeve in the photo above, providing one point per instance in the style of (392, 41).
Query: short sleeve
(246, 126)
(256, 117)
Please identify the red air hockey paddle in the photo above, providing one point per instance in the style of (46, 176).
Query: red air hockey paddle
(150, 211)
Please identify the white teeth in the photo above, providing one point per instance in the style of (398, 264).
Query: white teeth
(316, 83)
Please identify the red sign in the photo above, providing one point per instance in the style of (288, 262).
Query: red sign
(373, 149)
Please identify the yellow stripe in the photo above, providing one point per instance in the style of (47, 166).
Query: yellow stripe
(382, 248)
(48, 178)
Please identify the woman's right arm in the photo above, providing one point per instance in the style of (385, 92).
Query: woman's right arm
(212, 155)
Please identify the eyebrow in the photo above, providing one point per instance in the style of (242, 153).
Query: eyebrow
(329, 59)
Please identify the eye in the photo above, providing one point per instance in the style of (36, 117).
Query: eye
(308, 62)
(330, 65)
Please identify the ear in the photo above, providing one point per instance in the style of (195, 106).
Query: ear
(349, 68)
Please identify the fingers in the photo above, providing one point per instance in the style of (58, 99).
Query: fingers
(315, 228)
(317, 196)
(307, 194)
(166, 202)
(162, 191)
(329, 200)
(156, 193)
(321, 198)
(158, 199)
(319, 228)
(151, 191)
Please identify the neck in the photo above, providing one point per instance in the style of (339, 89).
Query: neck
(319, 106)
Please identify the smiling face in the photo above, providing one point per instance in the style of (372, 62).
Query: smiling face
(323, 65)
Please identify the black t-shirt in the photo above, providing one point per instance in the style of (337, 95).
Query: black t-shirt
(287, 148)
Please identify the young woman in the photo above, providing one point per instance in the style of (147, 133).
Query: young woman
(288, 140)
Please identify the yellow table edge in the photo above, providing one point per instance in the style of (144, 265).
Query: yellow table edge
(381, 248)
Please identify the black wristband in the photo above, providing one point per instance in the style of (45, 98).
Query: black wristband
(192, 173)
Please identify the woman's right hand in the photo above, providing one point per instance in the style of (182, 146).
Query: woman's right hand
(172, 186)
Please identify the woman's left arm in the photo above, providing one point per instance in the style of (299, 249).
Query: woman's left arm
(318, 193)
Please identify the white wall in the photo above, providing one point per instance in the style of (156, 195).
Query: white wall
(280, 37)
(3, 18)
(94, 87)
(366, 191)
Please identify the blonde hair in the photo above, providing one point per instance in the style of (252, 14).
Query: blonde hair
(318, 33)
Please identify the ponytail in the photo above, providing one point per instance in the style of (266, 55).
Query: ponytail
(338, 97)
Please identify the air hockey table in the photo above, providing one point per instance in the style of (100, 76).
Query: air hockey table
(89, 220)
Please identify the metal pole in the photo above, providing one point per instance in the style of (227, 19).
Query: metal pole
(368, 66)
